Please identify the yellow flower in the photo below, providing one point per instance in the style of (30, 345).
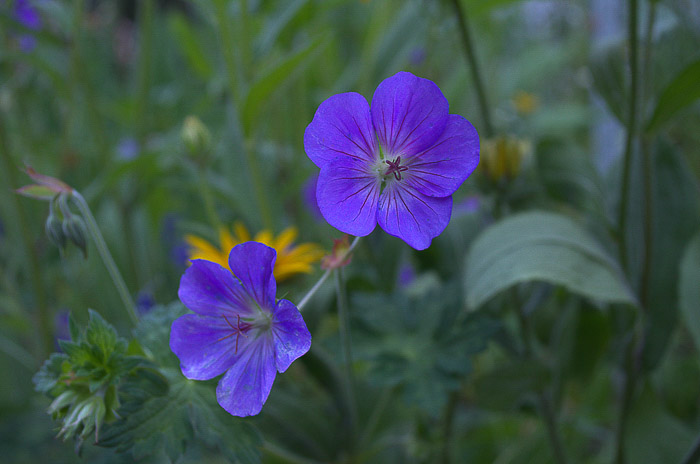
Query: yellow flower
(525, 103)
(503, 156)
(291, 259)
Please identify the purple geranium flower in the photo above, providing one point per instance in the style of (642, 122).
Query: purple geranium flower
(239, 327)
(396, 164)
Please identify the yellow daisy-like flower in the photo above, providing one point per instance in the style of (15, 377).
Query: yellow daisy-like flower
(291, 259)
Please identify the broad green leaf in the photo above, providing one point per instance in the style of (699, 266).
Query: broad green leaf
(541, 246)
(271, 81)
(689, 288)
(681, 92)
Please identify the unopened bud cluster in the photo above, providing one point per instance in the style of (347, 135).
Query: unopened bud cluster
(63, 225)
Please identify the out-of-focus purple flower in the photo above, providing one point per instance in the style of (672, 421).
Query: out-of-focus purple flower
(27, 15)
(417, 56)
(309, 196)
(468, 205)
(145, 301)
(239, 328)
(128, 149)
(406, 274)
(61, 329)
(396, 164)
(174, 243)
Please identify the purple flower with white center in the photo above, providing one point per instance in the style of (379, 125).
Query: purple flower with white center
(239, 328)
(397, 163)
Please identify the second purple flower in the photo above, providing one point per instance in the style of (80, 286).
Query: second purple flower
(397, 163)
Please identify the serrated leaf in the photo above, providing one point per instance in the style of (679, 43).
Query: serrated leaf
(681, 92)
(151, 425)
(267, 84)
(689, 288)
(101, 336)
(47, 377)
(540, 246)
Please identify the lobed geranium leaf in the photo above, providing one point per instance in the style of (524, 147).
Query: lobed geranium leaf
(540, 246)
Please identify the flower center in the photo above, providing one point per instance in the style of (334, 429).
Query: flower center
(395, 168)
(237, 330)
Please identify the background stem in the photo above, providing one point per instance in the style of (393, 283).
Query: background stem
(474, 67)
(111, 266)
(345, 344)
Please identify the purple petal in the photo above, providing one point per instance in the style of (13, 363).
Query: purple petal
(347, 195)
(408, 113)
(203, 345)
(252, 263)
(292, 338)
(341, 126)
(246, 386)
(412, 216)
(210, 290)
(441, 169)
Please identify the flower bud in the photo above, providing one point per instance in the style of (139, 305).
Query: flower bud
(74, 229)
(197, 138)
(54, 231)
(502, 157)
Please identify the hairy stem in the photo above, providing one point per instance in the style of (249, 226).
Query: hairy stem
(324, 277)
(106, 256)
(474, 67)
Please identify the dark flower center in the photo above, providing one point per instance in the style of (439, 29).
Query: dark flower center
(395, 168)
(238, 330)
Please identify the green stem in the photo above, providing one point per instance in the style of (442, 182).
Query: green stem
(474, 67)
(244, 40)
(101, 246)
(258, 185)
(693, 456)
(18, 353)
(447, 427)
(82, 77)
(208, 199)
(548, 414)
(45, 323)
(346, 347)
(227, 41)
(631, 132)
(146, 16)
(324, 277)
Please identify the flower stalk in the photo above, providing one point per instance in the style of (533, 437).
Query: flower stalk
(474, 67)
(106, 256)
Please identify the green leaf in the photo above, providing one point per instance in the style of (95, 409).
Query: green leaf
(609, 78)
(102, 336)
(38, 192)
(191, 47)
(47, 377)
(187, 414)
(504, 387)
(271, 81)
(681, 92)
(540, 246)
(689, 288)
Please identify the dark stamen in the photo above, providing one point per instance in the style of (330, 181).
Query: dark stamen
(238, 331)
(395, 168)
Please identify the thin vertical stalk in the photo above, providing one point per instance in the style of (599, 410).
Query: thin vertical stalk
(325, 276)
(447, 427)
(208, 199)
(227, 41)
(146, 18)
(81, 76)
(106, 256)
(543, 403)
(346, 347)
(34, 270)
(474, 67)
(631, 132)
